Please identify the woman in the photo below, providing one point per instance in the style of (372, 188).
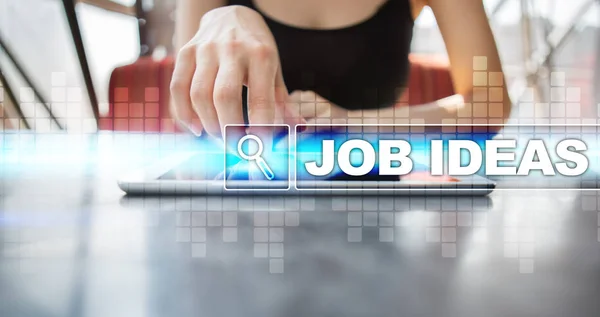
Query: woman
(346, 58)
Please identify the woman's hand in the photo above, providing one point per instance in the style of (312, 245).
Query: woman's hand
(232, 48)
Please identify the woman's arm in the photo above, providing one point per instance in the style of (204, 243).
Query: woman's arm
(187, 18)
(476, 70)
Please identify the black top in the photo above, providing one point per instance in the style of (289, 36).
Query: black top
(357, 67)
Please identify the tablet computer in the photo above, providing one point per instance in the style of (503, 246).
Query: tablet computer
(203, 173)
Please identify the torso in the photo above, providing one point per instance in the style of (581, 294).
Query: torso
(314, 14)
(356, 57)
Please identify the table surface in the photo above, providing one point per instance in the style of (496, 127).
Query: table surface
(73, 245)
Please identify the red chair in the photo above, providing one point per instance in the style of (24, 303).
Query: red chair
(139, 92)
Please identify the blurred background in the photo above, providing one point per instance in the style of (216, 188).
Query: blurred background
(535, 38)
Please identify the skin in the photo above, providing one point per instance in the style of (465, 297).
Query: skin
(233, 47)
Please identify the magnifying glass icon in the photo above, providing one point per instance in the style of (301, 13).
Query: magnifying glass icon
(257, 157)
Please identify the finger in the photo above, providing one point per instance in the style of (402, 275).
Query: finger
(227, 98)
(201, 92)
(304, 104)
(181, 105)
(291, 114)
(261, 86)
(281, 97)
(293, 104)
(261, 93)
(295, 96)
(293, 111)
(192, 125)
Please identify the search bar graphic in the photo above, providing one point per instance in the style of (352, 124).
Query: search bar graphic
(257, 156)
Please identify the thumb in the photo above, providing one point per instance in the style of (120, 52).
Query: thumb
(292, 116)
(295, 96)
(285, 102)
